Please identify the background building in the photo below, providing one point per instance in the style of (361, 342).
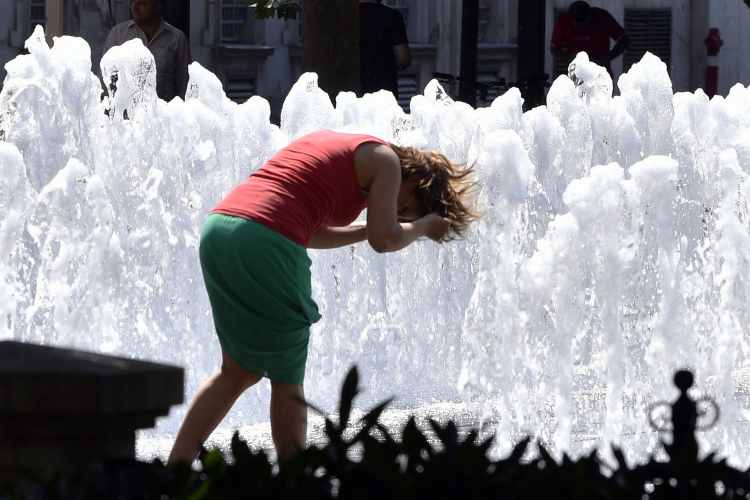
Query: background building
(675, 31)
(264, 57)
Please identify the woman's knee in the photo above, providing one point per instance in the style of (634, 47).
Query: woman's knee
(288, 396)
(238, 373)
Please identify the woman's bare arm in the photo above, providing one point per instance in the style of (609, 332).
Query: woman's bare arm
(379, 171)
(335, 237)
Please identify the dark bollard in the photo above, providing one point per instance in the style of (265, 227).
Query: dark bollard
(684, 416)
(685, 476)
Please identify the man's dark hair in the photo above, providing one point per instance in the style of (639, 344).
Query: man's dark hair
(580, 12)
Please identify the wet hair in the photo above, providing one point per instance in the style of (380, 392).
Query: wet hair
(580, 12)
(443, 187)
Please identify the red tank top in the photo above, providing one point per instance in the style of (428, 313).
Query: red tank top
(310, 183)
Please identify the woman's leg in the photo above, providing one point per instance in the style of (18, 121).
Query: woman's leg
(209, 406)
(288, 418)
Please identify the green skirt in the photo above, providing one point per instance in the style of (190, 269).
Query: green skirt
(258, 283)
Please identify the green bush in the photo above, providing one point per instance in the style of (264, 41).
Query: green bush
(387, 468)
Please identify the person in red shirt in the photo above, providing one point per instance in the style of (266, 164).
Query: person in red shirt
(253, 254)
(588, 29)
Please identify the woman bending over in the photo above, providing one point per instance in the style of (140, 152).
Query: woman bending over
(253, 253)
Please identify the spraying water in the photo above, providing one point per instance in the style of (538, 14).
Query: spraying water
(614, 247)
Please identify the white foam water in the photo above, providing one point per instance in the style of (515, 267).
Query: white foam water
(613, 248)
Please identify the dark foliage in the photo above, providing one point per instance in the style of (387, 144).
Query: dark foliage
(284, 9)
(364, 461)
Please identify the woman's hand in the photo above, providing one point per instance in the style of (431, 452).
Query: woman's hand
(379, 172)
(435, 227)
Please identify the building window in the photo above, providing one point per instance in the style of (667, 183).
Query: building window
(649, 30)
(408, 87)
(38, 14)
(233, 19)
(241, 84)
(485, 17)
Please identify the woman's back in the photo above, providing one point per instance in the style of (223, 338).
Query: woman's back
(310, 183)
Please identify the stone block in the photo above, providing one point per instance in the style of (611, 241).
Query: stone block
(65, 408)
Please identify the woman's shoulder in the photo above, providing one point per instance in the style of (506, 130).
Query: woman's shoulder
(336, 139)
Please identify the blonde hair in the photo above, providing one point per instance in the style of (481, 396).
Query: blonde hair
(443, 187)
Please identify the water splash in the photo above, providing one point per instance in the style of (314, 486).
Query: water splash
(613, 250)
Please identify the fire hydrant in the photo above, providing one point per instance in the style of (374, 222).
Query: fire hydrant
(713, 44)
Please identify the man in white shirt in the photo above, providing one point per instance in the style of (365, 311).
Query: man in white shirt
(169, 46)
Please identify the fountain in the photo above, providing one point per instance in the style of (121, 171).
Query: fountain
(613, 248)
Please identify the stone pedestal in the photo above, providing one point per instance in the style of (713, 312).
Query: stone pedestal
(64, 409)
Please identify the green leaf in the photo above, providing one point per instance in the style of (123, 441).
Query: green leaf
(240, 450)
(349, 391)
(262, 13)
(335, 433)
(212, 460)
(263, 10)
(373, 416)
(486, 444)
(314, 408)
(448, 435)
(283, 9)
(519, 450)
(288, 11)
(371, 419)
(201, 492)
(620, 457)
(549, 461)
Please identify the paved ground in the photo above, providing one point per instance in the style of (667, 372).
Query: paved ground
(150, 446)
(638, 444)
